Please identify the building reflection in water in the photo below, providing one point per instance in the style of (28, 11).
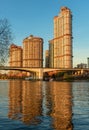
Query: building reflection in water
(29, 101)
(61, 94)
(15, 99)
(25, 101)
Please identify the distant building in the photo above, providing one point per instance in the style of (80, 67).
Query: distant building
(15, 56)
(51, 54)
(33, 52)
(88, 62)
(47, 58)
(61, 46)
(82, 65)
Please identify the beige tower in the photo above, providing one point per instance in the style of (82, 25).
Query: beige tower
(15, 56)
(33, 52)
(63, 39)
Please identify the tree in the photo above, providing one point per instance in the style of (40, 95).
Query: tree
(5, 40)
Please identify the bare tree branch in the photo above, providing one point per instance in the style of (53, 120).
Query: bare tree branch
(5, 40)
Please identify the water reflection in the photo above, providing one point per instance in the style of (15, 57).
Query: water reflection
(30, 101)
(61, 105)
(81, 105)
(15, 99)
(25, 101)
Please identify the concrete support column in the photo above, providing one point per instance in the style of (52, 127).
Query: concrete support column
(79, 72)
(40, 75)
(82, 71)
(34, 75)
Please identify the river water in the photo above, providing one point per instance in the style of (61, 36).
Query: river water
(39, 105)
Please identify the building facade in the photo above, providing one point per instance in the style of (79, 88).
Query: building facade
(33, 52)
(62, 41)
(88, 62)
(15, 56)
(51, 53)
(82, 65)
(47, 58)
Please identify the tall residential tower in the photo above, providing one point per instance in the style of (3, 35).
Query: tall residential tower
(62, 41)
(33, 52)
(15, 56)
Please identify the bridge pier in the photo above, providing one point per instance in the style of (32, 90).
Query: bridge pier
(34, 75)
(82, 71)
(40, 74)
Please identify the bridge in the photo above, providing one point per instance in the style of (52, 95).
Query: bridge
(38, 72)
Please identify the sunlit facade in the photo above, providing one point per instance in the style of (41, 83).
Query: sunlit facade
(33, 52)
(15, 56)
(62, 41)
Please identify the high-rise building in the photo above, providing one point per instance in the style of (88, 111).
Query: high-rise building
(15, 56)
(88, 62)
(47, 58)
(33, 52)
(51, 54)
(62, 41)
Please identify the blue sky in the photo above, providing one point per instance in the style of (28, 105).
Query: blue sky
(36, 17)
